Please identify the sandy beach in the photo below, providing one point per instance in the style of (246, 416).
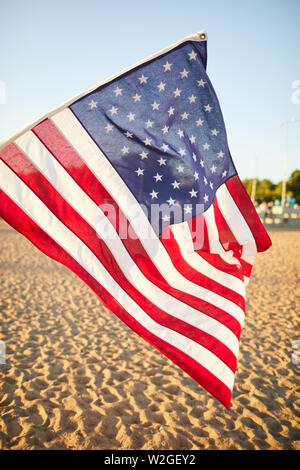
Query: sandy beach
(75, 377)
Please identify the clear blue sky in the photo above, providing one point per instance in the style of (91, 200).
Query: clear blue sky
(52, 50)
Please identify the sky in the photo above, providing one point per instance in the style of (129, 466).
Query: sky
(51, 51)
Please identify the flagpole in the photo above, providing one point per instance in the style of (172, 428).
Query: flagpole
(253, 190)
(285, 158)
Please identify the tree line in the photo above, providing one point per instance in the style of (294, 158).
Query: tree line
(267, 191)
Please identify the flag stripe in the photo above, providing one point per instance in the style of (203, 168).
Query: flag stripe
(201, 265)
(142, 291)
(40, 214)
(213, 234)
(80, 184)
(18, 219)
(96, 161)
(246, 208)
(171, 245)
(227, 238)
(65, 155)
(57, 147)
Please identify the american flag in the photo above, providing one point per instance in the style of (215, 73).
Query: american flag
(82, 182)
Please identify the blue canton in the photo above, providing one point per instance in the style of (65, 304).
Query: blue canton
(161, 127)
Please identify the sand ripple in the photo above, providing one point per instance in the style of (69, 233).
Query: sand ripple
(77, 378)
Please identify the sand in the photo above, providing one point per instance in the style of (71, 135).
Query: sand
(75, 377)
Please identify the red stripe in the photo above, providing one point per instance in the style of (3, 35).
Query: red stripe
(226, 236)
(14, 216)
(246, 267)
(247, 209)
(64, 153)
(229, 241)
(197, 277)
(18, 162)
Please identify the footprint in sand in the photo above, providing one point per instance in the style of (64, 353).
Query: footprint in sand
(2, 352)
(296, 354)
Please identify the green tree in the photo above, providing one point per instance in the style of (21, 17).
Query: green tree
(293, 185)
(267, 191)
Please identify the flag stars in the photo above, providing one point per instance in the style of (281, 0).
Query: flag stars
(131, 116)
(220, 154)
(201, 83)
(177, 92)
(202, 163)
(199, 122)
(165, 130)
(143, 155)
(113, 110)
(196, 175)
(206, 146)
(213, 169)
(192, 55)
(161, 86)
(182, 152)
(118, 91)
(208, 108)
(128, 134)
(184, 116)
(147, 141)
(162, 161)
(171, 201)
(192, 139)
(171, 111)
(165, 147)
(180, 133)
(158, 177)
(109, 128)
(167, 67)
(194, 157)
(211, 185)
(224, 173)
(184, 73)
(153, 194)
(136, 97)
(193, 193)
(192, 98)
(155, 106)
(139, 172)
(175, 184)
(180, 169)
(205, 198)
(188, 209)
(143, 79)
(149, 123)
(93, 104)
(125, 150)
(214, 132)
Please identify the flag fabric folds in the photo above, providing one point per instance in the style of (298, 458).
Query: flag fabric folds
(131, 185)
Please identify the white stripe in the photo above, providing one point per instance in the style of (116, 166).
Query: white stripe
(183, 237)
(89, 211)
(236, 222)
(42, 216)
(72, 130)
(213, 234)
